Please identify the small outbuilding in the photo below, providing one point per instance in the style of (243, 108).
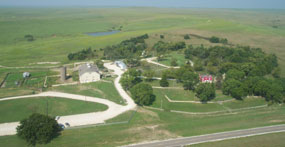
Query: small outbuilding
(89, 73)
(121, 65)
(26, 74)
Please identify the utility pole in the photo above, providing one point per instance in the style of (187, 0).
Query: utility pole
(47, 106)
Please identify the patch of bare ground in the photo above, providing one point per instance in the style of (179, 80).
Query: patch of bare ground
(148, 129)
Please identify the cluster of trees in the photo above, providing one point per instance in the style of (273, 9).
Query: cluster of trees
(220, 59)
(245, 69)
(38, 129)
(162, 47)
(215, 39)
(82, 55)
(238, 85)
(131, 48)
(142, 93)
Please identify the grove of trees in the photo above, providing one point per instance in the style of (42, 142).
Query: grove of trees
(142, 94)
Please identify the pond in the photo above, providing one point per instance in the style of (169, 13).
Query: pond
(102, 33)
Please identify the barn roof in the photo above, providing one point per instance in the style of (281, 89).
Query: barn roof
(88, 68)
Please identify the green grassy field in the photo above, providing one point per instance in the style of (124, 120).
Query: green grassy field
(177, 94)
(16, 110)
(153, 125)
(61, 31)
(268, 140)
(99, 89)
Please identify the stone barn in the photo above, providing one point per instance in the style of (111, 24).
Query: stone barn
(89, 73)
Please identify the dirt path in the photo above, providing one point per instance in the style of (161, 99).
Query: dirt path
(81, 119)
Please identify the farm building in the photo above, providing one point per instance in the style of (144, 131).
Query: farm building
(88, 73)
(121, 65)
(206, 78)
(26, 74)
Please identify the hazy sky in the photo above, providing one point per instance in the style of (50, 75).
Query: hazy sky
(277, 4)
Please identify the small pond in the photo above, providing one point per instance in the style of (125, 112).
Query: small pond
(102, 33)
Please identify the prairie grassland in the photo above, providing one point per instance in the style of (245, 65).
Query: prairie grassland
(59, 31)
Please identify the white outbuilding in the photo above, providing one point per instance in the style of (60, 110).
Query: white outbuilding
(26, 74)
(121, 65)
(88, 73)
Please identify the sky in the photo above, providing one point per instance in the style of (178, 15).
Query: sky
(267, 4)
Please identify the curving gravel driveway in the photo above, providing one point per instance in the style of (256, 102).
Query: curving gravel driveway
(81, 119)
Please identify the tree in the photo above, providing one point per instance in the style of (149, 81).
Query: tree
(149, 74)
(189, 80)
(224, 41)
(186, 37)
(234, 88)
(163, 82)
(142, 94)
(235, 74)
(214, 39)
(173, 62)
(161, 36)
(130, 78)
(205, 92)
(99, 64)
(276, 72)
(188, 53)
(38, 129)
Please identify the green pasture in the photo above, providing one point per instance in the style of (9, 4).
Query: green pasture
(16, 110)
(105, 90)
(58, 32)
(162, 125)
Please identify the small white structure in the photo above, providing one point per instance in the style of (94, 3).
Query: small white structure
(88, 73)
(121, 65)
(26, 74)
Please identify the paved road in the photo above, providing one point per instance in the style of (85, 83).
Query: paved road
(80, 119)
(213, 137)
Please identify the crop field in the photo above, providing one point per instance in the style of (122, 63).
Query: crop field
(16, 110)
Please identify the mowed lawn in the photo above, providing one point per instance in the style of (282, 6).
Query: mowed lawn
(179, 57)
(267, 140)
(149, 125)
(182, 95)
(16, 110)
(106, 90)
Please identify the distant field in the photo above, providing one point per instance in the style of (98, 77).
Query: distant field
(58, 32)
(268, 140)
(16, 110)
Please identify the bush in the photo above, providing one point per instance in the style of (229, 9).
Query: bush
(161, 36)
(173, 62)
(186, 37)
(163, 82)
(29, 37)
(38, 129)
(214, 39)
